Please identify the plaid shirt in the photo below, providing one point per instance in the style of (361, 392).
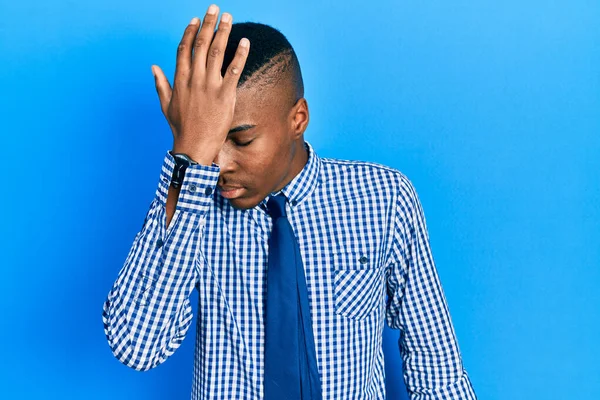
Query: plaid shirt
(367, 259)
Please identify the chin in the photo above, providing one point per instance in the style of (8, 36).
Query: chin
(244, 203)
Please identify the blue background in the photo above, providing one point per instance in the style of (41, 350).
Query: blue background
(490, 108)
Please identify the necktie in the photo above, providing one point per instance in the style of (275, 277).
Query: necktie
(291, 371)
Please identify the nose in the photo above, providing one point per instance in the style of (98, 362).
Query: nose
(224, 159)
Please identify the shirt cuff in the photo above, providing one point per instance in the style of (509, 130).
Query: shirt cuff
(197, 189)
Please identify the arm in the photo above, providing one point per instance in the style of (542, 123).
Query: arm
(147, 312)
(433, 368)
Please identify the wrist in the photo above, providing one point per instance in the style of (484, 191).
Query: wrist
(204, 157)
(182, 162)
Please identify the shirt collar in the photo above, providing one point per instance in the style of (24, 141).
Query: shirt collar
(302, 184)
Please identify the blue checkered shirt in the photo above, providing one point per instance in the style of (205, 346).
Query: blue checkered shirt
(367, 259)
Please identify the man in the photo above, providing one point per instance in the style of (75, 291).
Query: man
(298, 260)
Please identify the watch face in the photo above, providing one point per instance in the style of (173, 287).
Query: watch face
(181, 159)
(179, 171)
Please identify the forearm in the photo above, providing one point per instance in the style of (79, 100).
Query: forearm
(147, 311)
(172, 202)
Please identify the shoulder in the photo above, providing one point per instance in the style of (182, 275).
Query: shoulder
(368, 175)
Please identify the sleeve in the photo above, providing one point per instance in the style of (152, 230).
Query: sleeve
(147, 311)
(416, 305)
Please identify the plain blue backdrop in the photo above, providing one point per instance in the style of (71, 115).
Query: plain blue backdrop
(491, 108)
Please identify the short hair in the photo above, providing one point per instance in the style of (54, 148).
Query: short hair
(271, 57)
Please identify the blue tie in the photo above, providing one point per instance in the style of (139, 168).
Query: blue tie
(291, 371)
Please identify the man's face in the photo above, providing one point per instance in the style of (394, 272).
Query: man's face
(263, 165)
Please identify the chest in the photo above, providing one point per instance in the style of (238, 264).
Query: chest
(342, 242)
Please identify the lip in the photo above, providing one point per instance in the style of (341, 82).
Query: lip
(229, 192)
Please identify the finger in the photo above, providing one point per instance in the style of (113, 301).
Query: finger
(163, 88)
(234, 70)
(217, 49)
(183, 65)
(203, 40)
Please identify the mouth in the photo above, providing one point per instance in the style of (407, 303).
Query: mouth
(230, 192)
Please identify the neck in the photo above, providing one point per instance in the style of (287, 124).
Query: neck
(298, 163)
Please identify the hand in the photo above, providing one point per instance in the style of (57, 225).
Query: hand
(200, 106)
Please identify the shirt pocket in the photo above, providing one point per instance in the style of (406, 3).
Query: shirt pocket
(357, 283)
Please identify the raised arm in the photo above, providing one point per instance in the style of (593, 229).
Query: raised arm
(147, 312)
(433, 368)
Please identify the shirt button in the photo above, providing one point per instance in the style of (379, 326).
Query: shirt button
(208, 190)
(159, 243)
(294, 202)
(363, 260)
(192, 188)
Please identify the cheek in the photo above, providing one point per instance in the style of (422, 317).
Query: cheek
(266, 159)
(268, 166)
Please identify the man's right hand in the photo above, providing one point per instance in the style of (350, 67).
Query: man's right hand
(199, 108)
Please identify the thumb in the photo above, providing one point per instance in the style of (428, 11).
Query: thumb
(163, 88)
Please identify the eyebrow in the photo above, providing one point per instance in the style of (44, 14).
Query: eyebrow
(241, 128)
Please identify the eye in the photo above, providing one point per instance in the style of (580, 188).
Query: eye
(243, 144)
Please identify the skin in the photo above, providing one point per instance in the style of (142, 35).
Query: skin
(275, 155)
(205, 111)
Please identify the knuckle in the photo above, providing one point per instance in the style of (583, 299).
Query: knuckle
(214, 51)
(242, 51)
(234, 69)
(181, 48)
(200, 42)
(199, 85)
(224, 27)
(209, 21)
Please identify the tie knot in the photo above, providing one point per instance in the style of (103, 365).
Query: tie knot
(276, 206)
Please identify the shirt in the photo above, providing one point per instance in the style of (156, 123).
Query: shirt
(367, 258)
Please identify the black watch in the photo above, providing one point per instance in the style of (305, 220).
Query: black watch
(182, 161)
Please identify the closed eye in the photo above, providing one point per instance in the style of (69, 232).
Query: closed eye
(243, 144)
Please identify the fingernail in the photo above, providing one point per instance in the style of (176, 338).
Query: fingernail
(194, 21)
(153, 73)
(244, 42)
(212, 9)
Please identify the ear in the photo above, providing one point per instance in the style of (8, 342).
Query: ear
(299, 118)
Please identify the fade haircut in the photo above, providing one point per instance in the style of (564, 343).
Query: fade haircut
(271, 58)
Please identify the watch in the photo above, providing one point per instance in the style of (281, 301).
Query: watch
(182, 161)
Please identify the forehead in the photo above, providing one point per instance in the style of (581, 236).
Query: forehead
(261, 105)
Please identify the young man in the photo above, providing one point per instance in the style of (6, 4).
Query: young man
(298, 260)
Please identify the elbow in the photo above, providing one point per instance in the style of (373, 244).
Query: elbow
(138, 356)
(136, 349)
(129, 354)
(129, 359)
(457, 386)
